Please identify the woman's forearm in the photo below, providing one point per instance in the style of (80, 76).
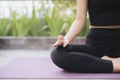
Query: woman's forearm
(77, 25)
(75, 29)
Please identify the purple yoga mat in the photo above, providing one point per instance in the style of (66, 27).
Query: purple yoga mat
(44, 68)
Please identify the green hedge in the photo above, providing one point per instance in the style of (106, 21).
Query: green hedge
(52, 23)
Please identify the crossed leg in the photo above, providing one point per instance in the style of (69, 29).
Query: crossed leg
(80, 59)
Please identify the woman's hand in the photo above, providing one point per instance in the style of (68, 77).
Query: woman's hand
(61, 41)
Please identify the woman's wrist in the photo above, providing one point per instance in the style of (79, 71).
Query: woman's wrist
(66, 40)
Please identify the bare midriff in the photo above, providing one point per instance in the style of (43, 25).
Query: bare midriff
(108, 27)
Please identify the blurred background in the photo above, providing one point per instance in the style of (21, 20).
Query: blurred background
(37, 17)
(28, 28)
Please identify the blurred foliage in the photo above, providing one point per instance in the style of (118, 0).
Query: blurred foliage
(4, 27)
(53, 21)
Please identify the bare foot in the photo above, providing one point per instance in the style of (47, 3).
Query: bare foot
(115, 61)
(116, 65)
(107, 58)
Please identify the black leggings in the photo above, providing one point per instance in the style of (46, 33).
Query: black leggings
(86, 58)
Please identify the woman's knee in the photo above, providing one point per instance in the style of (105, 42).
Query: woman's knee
(59, 57)
(57, 51)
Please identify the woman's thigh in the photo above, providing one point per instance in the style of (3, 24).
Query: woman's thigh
(87, 49)
(115, 53)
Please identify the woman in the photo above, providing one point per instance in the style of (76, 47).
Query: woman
(101, 53)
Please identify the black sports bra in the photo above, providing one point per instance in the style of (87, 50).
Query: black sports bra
(104, 12)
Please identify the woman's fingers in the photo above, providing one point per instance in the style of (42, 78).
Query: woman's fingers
(60, 37)
(66, 42)
(55, 44)
(58, 43)
(61, 41)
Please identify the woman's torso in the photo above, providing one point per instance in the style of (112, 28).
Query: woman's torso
(104, 13)
(107, 27)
